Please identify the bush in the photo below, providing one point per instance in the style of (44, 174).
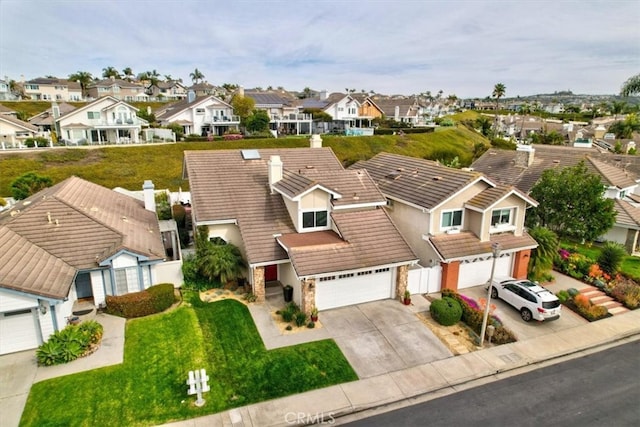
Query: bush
(69, 343)
(31, 142)
(563, 296)
(573, 292)
(300, 318)
(503, 335)
(611, 257)
(289, 312)
(627, 292)
(446, 311)
(138, 304)
(311, 325)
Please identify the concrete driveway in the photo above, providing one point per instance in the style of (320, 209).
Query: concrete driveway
(382, 336)
(17, 373)
(511, 317)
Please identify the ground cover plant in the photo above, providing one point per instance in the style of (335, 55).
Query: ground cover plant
(149, 388)
(130, 166)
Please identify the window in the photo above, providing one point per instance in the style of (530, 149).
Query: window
(199, 110)
(326, 279)
(451, 219)
(501, 217)
(93, 114)
(345, 276)
(314, 219)
(126, 280)
(622, 194)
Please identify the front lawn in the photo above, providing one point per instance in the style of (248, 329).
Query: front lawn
(150, 386)
(630, 265)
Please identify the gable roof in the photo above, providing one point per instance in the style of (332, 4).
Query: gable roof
(18, 123)
(489, 197)
(466, 245)
(112, 82)
(173, 109)
(46, 117)
(83, 223)
(420, 182)
(628, 214)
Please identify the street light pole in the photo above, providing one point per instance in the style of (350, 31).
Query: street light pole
(495, 248)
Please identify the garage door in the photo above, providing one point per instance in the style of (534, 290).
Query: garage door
(478, 271)
(354, 288)
(18, 331)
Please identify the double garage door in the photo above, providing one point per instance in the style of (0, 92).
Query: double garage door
(19, 331)
(354, 288)
(478, 271)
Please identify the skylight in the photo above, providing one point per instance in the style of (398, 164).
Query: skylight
(250, 154)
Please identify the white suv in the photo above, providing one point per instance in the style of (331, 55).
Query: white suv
(532, 300)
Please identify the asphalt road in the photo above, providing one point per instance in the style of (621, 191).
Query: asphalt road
(602, 389)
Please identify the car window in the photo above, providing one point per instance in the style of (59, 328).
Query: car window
(513, 288)
(526, 295)
(550, 304)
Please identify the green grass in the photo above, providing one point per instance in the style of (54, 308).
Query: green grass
(150, 386)
(630, 265)
(129, 167)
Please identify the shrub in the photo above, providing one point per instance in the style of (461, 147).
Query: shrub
(627, 292)
(311, 325)
(138, 304)
(446, 311)
(563, 295)
(611, 257)
(503, 335)
(573, 292)
(289, 312)
(69, 343)
(31, 142)
(300, 318)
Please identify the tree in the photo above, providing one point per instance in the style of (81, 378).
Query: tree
(127, 73)
(28, 184)
(258, 121)
(109, 72)
(571, 203)
(222, 261)
(541, 261)
(242, 106)
(631, 86)
(624, 129)
(617, 107)
(484, 124)
(498, 92)
(84, 78)
(196, 76)
(611, 257)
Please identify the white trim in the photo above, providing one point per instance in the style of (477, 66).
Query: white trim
(446, 228)
(471, 184)
(361, 205)
(373, 267)
(217, 222)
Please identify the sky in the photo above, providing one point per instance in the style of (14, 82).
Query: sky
(390, 47)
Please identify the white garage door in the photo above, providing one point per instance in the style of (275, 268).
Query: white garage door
(18, 331)
(349, 289)
(478, 271)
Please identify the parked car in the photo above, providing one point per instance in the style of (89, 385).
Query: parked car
(529, 298)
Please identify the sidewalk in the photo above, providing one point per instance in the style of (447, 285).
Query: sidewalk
(437, 377)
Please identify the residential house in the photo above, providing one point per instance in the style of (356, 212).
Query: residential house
(452, 218)
(52, 89)
(404, 110)
(172, 90)
(75, 241)
(45, 121)
(119, 89)
(343, 109)
(205, 115)
(14, 131)
(300, 219)
(206, 89)
(284, 110)
(107, 120)
(523, 168)
(6, 111)
(5, 91)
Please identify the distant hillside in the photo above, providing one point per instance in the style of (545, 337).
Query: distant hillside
(128, 167)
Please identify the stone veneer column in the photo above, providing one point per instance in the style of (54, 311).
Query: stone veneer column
(450, 272)
(402, 280)
(258, 284)
(521, 264)
(308, 299)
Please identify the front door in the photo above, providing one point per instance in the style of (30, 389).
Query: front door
(271, 273)
(83, 286)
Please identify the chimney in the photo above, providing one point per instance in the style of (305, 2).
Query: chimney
(275, 170)
(323, 95)
(315, 141)
(241, 90)
(149, 196)
(191, 96)
(113, 78)
(396, 113)
(55, 110)
(524, 155)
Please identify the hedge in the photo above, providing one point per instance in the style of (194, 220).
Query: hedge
(446, 311)
(138, 304)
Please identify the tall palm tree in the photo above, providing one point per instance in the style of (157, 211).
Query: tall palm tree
(84, 78)
(631, 86)
(498, 92)
(196, 76)
(541, 260)
(109, 72)
(617, 107)
(127, 73)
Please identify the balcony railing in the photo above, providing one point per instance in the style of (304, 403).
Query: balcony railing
(117, 122)
(222, 120)
(291, 117)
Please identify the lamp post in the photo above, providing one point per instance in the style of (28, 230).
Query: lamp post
(495, 248)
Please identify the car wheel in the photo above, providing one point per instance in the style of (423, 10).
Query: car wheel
(494, 293)
(526, 315)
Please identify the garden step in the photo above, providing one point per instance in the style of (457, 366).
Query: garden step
(600, 299)
(611, 304)
(618, 310)
(593, 294)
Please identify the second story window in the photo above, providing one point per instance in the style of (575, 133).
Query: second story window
(451, 219)
(314, 219)
(500, 217)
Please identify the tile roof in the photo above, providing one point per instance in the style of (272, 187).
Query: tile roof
(119, 82)
(366, 239)
(452, 247)
(6, 110)
(492, 195)
(269, 98)
(423, 183)
(46, 117)
(17, 122)
(172, 109)
(500, 165)
(628, 214)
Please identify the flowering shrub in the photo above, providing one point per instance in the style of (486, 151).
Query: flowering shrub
(584, 307)
(625, 291)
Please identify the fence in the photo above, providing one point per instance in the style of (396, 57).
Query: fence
(424, 280)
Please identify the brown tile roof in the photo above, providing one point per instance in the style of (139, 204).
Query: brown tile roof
(46, 117)
(15, 121)
(420, 182)
(500, 165)
(25, 267)
(6, 110)
(89, 223)
(225, 186)
(628, 214)
(367, 239)
(452, 247)
(172, 109)
(492, 195)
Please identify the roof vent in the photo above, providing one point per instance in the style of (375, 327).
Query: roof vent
(437, 178)
(393, 175)
(556, 161)
(250, 154)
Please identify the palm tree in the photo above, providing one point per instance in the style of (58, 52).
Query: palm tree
(542, 257)
(168, 78)
(631, 86)
(127, 73)
(196, 76)
(84, 78)
(109, 72)
(617, 107)
(498, 92)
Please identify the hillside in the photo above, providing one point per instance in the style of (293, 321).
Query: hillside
(129, 166)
